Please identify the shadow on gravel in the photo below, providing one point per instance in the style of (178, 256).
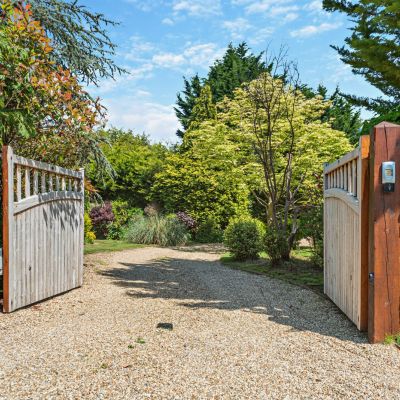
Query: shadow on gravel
(199, 284)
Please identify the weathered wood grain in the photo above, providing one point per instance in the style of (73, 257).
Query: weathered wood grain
(43, 233)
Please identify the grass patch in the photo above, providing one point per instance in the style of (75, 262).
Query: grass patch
(392, 339)
(298, 271)
(104, 246)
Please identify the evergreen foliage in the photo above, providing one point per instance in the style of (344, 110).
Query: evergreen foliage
(135, 162)
(237, 66)
(186, 100)
(79, 37)
(373, 49)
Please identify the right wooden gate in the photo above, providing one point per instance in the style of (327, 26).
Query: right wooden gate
(362, 234)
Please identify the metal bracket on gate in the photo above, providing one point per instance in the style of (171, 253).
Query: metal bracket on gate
(371, 277)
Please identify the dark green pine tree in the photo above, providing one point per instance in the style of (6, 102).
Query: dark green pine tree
(238, 65)
(373, 49)
(342, 114)
(79, 38)
(186, 100)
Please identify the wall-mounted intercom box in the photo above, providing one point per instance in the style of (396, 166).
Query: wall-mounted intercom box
(388, 176)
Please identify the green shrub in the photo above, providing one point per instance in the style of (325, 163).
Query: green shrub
(123, 213)
(244, 237)
(160, 230)
(312, 227)
(275, 245)
(89, 234)
(209, 231)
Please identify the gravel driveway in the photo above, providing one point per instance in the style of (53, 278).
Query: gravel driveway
(235, 336)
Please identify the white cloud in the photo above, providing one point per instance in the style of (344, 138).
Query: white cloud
(197, 8)
(237, 27)
(168, 21)
(168, 60)
(261, 6)
(143, 5)
(315, 5)
(194, 55)
(203, 55)
(290, 17)
(260, 36)
(154, 119)
(138, 48)
(277, 11)
(311, 30)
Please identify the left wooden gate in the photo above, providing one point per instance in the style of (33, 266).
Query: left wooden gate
(43, 230)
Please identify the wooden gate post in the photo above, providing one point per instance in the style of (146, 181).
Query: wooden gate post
(7, 197)
(384, 236)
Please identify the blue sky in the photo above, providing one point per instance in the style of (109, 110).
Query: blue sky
(160, 41)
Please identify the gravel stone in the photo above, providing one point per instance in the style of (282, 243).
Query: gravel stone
(235, 336)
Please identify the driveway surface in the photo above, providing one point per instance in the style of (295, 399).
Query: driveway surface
(234, 336)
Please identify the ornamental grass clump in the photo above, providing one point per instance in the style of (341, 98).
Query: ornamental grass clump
(156, 229)
(244, 238)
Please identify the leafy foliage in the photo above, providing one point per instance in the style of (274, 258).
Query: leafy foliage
(341, 114)
(284, 127)
(373, 49)
(102, 217)
(186, 220)
(244, 237)
(135, 162)
(237, 66)
(312, 226)
(160, 230)
(90, 236)
(203, 179)
(209, 231)
(44, 112)
(204, 109)
(79, 37)
(186, 100)
(123, 213)
(275, 245)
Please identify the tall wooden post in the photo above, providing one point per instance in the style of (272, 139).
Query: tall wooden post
(7, 198)
(384, 236)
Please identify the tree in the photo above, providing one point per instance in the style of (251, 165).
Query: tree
(342, 114)
(289, 142)
(135, 162)
(186, 101)
(237, 66)
(44, 112)
(205, 180)
(79, 38)
(204, 108)
(373, 49)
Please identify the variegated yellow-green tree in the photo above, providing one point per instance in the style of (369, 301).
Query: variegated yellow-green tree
(284, 138)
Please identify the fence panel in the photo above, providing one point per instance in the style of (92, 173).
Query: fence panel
(43, 233)
(346, 251)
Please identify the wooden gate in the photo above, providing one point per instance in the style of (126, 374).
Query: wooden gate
(43, 235)
(346, 233)
(362, 234)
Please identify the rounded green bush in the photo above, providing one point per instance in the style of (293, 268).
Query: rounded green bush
(209, 231)
(276, 246)
(244, 237)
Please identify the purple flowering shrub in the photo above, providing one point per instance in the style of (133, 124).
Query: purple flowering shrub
(187, 220)
(102, 217)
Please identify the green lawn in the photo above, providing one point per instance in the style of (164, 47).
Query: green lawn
(103, 246)
(298, 271)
